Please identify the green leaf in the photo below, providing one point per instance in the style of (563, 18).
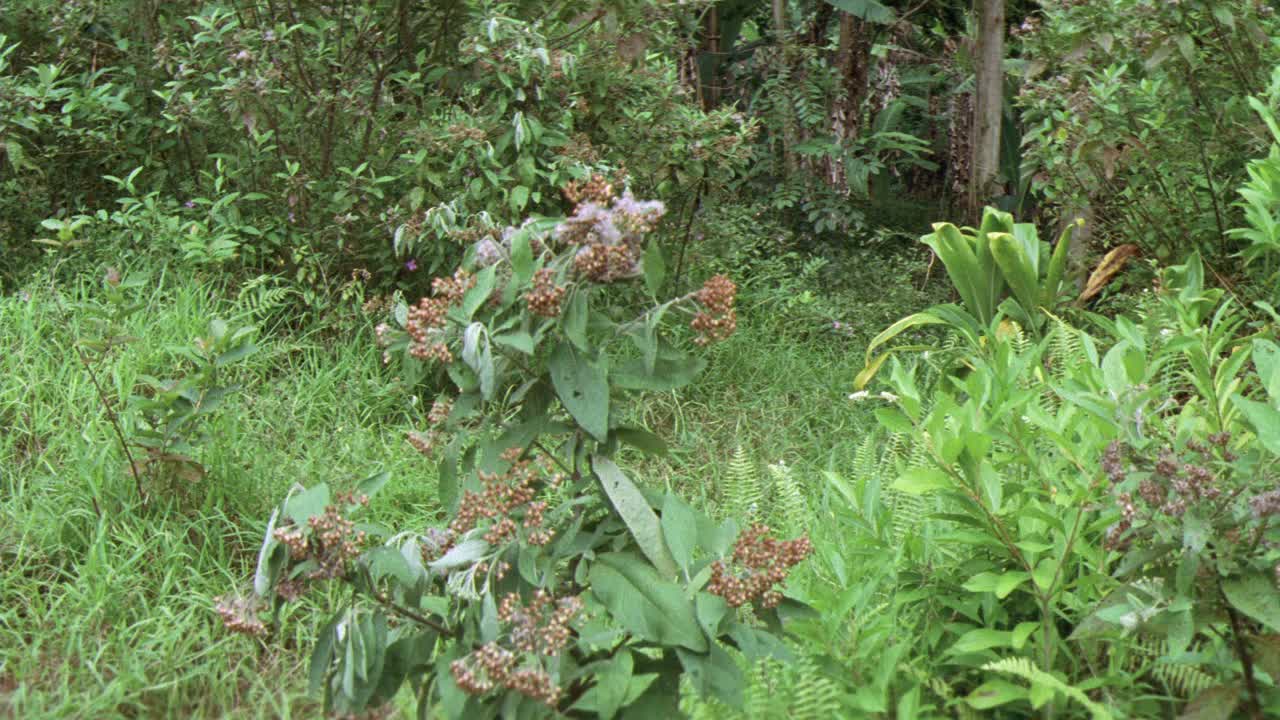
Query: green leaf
(1266, 653)
(1266, 356)
(921, 480)
(966, 259)
(868, 10)
(271, 559)
(636, 513)
(517, 340)
(714, 674)
(478, 295)
(1255, 595)
(574, 320)
(669, 373)
(519, 197)
(1216, 703)
(995, 693)
(999, 583)
(235, 354)
(583, 388)
(873, 362)
(1057, 266)
(1017, 267)
(614, 686)
(680, 528)
(1196, 530)
(372, 484)
(655, 268)
(645, 603)
(642, 440)
(979, 640)
(307, 504)
(521, 257)
(1265, 420)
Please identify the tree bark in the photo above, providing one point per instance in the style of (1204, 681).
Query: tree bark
(779, 18)
(988, 102)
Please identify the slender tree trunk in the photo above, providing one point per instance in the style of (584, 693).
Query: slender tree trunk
(988, 101)
(709, 79)
(852, 58)
(779, 18)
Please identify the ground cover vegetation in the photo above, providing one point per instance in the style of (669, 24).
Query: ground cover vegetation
(710, 359)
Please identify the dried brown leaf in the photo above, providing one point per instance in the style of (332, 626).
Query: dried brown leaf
(1111, 265)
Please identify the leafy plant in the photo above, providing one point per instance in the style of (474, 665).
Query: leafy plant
(164, 420)
(558, 585)
(983, 264)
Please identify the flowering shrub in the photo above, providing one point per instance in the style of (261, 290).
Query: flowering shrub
(557, 585)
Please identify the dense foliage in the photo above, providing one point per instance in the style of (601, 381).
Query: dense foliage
(637, 359)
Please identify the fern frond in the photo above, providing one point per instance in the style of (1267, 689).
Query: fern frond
(1025, 669)
(742, 493)
(788, 507)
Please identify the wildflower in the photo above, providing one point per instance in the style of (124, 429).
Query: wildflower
(189, 204)
(717, 320)
(888, 396)
(546, 296)
(762, 563)
(859, 396)
(240, 615)
(411, 265)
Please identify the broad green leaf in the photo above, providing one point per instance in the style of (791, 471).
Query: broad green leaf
(644, 602)
(999, 583)
(372, 484)
(519, 197)
(873, 362)
(995, 693)
(1266, 356)
(583, 388)
(235, 354)
(636, 513)
(655, 268)
(714, 674)
(1052, 284)
(307, 504)
(1255, 595)
(1265, 420)
(1266, 653)
(574, 320)
(868, 10)
(478, 295)
(980, 639)
(1216, 703)
(680, 528)
(669, 373)
(642, 440)
(1196, 530)
(271, 559)
(979, 285)
(1018, 269)
(921, 480)
(517, 340)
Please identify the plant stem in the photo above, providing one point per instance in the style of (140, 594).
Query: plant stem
(1253, 707)
(115, 424)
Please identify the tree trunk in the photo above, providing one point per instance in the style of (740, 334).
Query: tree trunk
(779, 18)
(988, 101)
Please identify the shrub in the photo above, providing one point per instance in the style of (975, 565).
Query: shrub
(557, 584)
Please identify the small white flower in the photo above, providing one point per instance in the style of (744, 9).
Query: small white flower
(859, 396)
(888, 396)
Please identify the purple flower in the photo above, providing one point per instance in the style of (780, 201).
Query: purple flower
(411, 265)
(189, 204)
